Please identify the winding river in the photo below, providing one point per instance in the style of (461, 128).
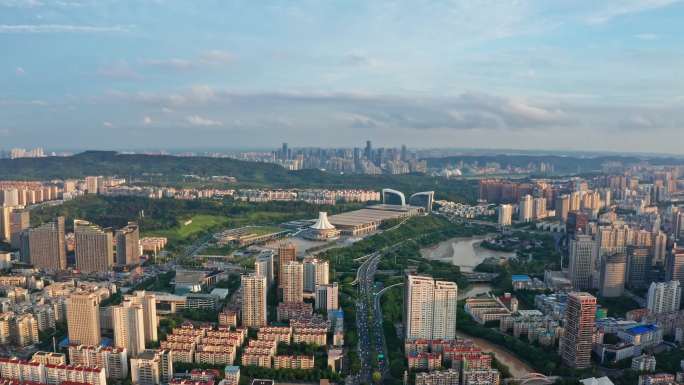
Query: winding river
(467, 253)
(464, 252)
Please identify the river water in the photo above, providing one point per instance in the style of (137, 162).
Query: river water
(464, 252)
(467, 253)
(517, 367)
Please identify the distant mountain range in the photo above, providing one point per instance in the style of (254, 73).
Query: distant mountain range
(561, 164)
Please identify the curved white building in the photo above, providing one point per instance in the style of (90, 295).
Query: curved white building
(393, 197)
(423, 199)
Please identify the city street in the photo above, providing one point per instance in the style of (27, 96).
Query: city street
(369, 321)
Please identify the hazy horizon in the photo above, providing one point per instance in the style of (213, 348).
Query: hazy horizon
(445, 151)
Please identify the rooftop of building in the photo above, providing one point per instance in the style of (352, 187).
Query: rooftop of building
(520, 277)
(262, 382)
(642, 329)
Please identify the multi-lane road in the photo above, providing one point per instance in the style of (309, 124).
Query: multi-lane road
(366, 316)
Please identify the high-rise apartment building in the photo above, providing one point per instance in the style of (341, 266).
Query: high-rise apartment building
(45, 247)
(113, 360)
(148, 301)
(675, 265)
(9, 197)
(539, 208)
(83, 318)
(26, 330)
(5, 222)
(429, 308)
(20, 220)
(563, 207)
(286, 252)
(293, 282)
(613, 269)
(575, 199)
(505, 215)
(316, 272)
(152, 367)
(664, 297)
(418, 307)
(253, 309)
(128, 245)
(526, 208)
(577, 223)
(638, 266)
(445, 305)
(580, 317)
(613, 239)
(93, 247)
(582, 261)
(659, 248)
(129, 327)
(93, 184)
(20, 329)
(679, 226)
(327, 296)
(263, 267)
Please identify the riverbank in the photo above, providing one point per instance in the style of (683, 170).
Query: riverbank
(464, 252)
(517, 367)
(474, 290)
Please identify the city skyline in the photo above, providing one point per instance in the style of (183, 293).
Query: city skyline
(520, 75)
(385, 192)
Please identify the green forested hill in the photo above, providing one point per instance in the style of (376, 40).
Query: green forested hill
(166, 169)
(110, 164)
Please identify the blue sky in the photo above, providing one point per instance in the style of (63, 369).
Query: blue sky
(563, 74)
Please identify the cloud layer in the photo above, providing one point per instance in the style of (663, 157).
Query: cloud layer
(498, 73)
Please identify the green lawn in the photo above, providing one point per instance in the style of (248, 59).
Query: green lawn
(218, 250)
(200, 223)
(263, 230)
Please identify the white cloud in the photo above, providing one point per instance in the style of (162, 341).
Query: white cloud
(202, 93)
(361, 60)
(647, 36)
(20, 3)
(147, 120)
(615, 9)
(197, 120)
(60, 28)
(120, 70)
(217, 57)
(49, 3)
(204, 59)
(108, 124)
(174, 63)
(19, 71)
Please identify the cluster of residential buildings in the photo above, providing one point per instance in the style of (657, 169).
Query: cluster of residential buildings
(300, 285)
(313, 196)
(488, 308)
(204, 344)
(45, 246)
(154, 192)
(92, 311)
(450, 362)
(623, 234)
(462, 210)
(16, 153)
(434, 354)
